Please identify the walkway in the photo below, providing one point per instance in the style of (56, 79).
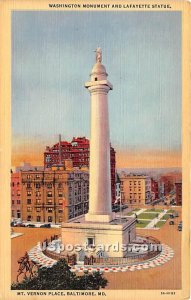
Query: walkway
(166, 254)
(156, 220)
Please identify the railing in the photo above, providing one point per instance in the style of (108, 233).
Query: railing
(119, 260)
(70, 259)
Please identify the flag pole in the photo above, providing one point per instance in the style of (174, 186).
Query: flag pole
(120, 209)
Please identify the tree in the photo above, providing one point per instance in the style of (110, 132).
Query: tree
(59, 277)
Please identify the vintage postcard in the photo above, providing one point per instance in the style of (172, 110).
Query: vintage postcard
(95, 149)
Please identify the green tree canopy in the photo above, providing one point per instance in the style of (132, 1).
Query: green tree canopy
(59, 277)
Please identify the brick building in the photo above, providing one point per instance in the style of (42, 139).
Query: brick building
(79, 151)
(54, 195)
(15, 195)
(135, 189)
(178, 186)
(154, 189)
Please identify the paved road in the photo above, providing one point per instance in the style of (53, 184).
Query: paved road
(167, 276)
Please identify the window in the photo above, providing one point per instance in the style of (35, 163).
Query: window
(37, 176)
(28, 176)
(60, 219)
(38, 218)
(38, 209)
(49, 185)
(60, 194)
(13, 201)
(13, 213)
(28, 201)
(28, 185)
(18, 202)
(38, 194)
(49, 202)
(29, 218)
(90, 241)
(18, 193)
(49, 219)
(37, 185)
(50, 210)
(29, 208)
(49, 194)
(60, 211)
(28, 193)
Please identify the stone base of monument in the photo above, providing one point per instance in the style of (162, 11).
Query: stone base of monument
(99, 238)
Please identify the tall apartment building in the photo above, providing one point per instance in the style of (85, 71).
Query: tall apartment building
(15, 195)
(178, 187)
(79, 151)
(154, 189)
(54, 195)
(135, 189)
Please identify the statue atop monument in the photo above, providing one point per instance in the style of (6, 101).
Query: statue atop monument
(98, 55)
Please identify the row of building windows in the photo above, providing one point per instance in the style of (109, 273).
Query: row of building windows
(16, 201)
(39, 219)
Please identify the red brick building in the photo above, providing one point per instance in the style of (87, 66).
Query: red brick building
(168, 181)
(15, 195)
(154, 189)
(178, 186)
(79, 151)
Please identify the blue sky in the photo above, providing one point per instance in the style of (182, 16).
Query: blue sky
(52, 57)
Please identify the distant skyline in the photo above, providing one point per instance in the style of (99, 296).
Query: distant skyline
(52, 57)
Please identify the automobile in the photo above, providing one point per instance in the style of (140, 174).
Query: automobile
(31, 225)
(45, 226)
(20, 225)
(171, 223)
(124, 206)
(180, 226)
(116, 209)
(176, 214)
(12, 224)
(171, 216)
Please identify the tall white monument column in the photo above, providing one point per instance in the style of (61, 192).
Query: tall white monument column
(99, 226)
(100, 209)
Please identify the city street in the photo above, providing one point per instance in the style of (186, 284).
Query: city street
(167, 276)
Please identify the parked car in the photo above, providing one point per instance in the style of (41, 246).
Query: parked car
(124, 206)
(180, 226)
(45, 226)
(20, 225)
(171, 223)
(116, 209)
(171, 216)
(31, 225)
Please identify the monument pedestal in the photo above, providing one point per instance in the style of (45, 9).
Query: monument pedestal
(111, 237)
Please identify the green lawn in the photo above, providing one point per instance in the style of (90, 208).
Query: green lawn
(159, 224)
(129, 213)
(170, 211)
(133, 211)
(154, 210)
(148, 216)
(165, 217)
(142, 224)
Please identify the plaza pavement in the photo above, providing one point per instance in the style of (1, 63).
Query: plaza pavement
(166, 276)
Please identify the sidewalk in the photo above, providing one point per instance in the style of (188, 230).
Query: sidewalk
(156, 220)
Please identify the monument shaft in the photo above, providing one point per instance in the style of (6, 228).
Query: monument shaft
(100, 173)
